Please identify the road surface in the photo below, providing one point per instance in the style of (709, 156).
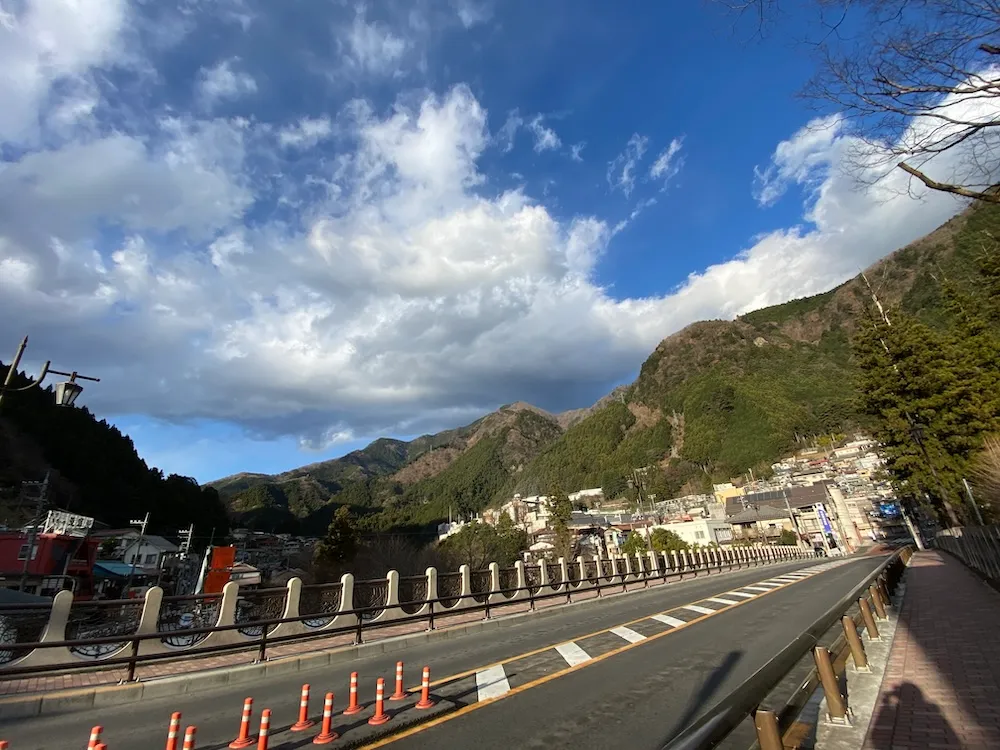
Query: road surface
(624, 671)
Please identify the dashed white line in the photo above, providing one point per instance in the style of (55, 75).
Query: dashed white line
(740, 594)
(756, 588)
(700, 610)
(718, 600)
(492, 682)
(628, 634)
(572, 653)
(668, 620)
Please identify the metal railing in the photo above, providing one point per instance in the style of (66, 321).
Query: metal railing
(126, 650)
(976, 546)
(776, 725)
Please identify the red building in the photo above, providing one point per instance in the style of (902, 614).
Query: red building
(62, 556)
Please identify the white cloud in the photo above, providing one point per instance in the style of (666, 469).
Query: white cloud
(222, 81)
(576, 149)
(668, 164)
(472, 12)
(306, 133)
(802, 158)
(545, 138)
(407, 295)
(372, 47)
(507, 134)
(622, 169)
(42, 44)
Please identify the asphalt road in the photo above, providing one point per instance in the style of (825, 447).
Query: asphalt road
(632, 698)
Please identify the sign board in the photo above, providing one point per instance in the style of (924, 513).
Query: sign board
(220, 569)
(824, 519)
(67, 524)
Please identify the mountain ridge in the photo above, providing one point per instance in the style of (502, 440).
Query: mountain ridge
(711, 400)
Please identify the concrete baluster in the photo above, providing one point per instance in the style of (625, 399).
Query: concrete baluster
(293, 593)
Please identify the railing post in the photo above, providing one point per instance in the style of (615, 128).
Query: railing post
(877, 602)
(430, 615)
(836, 703)
(854, 641)
(133, 656)
(866, 614)
(768, 735)
(262, 650)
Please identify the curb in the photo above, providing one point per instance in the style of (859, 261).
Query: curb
(75, 699)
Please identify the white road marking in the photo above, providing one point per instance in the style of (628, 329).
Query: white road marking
(700, 610)
(756, 588)
(788, 579)
(717, 600)
(771, 584)
(740, 594)
(572, 653)
(668, 620)
(628, 634)
(492, 682)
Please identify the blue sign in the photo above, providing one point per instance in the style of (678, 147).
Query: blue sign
(824, 519)
(888, 510)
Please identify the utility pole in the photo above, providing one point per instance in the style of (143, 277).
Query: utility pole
(142, 533)
(33, 531)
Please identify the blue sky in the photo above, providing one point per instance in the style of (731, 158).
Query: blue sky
(278, 231)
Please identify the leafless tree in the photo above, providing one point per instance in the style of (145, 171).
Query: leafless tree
(986, 476)
(914, 80)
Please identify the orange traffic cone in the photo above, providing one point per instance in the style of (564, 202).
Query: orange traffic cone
(243, 739)
(425, 690)
(380, 717)
(326, 734)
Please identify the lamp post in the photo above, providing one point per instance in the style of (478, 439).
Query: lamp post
(66, 392)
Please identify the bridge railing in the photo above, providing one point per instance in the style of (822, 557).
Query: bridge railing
(976, 546)
(776, 722)
(68, 635)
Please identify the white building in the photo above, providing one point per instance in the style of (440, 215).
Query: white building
(149, 552)
(702, 531)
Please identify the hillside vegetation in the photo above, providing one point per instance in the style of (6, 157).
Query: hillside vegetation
(712, 401)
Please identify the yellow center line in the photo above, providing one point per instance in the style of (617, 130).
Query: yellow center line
(547, 678)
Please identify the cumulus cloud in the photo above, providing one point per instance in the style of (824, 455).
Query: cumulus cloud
(405, 295)
(223, 81)
(803, 158)
(622, 169)
(471, 12)
(576, 149)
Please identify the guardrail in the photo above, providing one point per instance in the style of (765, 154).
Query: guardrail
(976, 546)
(776, 726)
(158, 628)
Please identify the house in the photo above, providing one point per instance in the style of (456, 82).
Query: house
(700, 531)
(148, 552)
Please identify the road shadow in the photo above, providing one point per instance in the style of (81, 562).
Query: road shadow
(906, 701)
(704, 694)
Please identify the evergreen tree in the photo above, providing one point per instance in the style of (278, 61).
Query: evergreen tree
(561, 510)
(634, 544)
(341, 541)
(928, 404)
(663, 540)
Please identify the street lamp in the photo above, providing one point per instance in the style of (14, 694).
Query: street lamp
(66, 392)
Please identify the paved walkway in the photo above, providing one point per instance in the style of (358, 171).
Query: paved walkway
(941, 688)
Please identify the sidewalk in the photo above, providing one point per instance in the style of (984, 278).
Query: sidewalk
(941, 688)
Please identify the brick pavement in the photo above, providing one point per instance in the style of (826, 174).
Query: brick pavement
(47, 683)
(941, 688)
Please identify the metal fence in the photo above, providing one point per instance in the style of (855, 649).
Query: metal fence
(976, 546)
(776, 724)
(125, 634)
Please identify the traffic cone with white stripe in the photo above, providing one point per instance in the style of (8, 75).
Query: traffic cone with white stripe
(244, 739)
(304, 721)
(400, 694)
(265, 729)
(95, 737)
(173, 730)
(354, 707)
(425, 690)
(189, 737)
(380, 717)
(326, 733)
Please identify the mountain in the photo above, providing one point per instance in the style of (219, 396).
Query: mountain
(711, 401)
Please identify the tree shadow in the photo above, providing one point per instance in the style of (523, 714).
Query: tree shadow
(908, 700)
(708, 687)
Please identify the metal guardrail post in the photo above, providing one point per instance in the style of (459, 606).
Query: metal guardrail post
(430, 615)
(768, 734)
(262, 651)
(854, 641)
(133, 656)
(884, 590)
(358, 639)
(877, 602)
(836, 703)
(866, 614)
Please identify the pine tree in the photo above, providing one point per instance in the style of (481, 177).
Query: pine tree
(341, 541)
(561, 510)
